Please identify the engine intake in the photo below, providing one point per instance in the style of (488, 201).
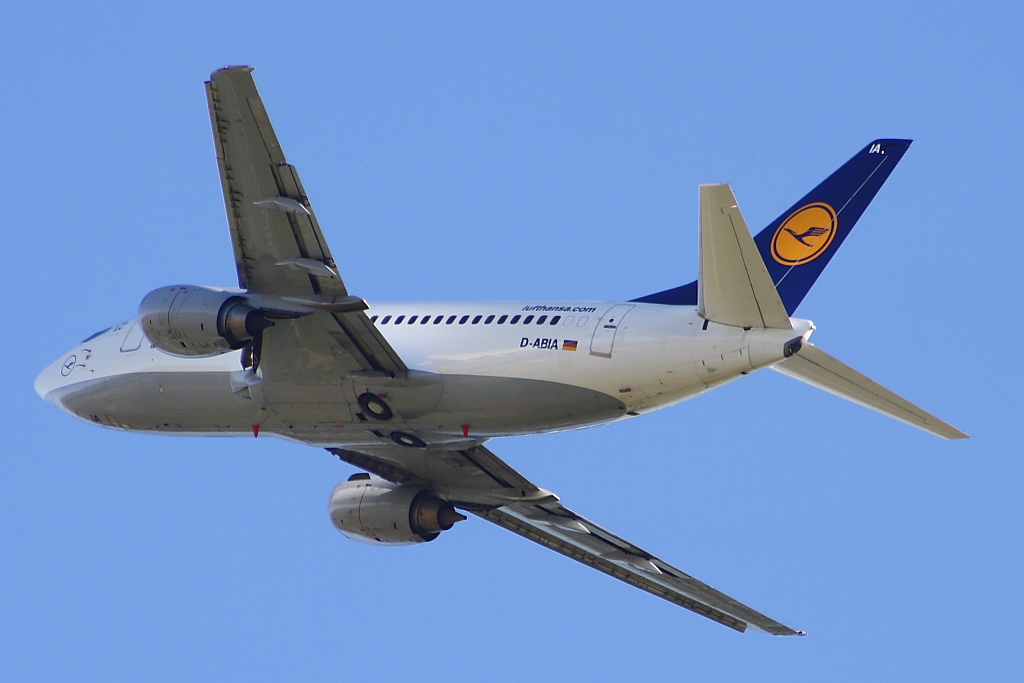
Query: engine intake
(373, 510)
(186, 320)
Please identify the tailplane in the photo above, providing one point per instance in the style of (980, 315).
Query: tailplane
(798, 245)
(815, 367)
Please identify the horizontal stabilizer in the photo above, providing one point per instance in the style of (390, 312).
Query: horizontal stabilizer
(734, 287)
(817, 368)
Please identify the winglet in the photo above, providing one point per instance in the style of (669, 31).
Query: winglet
(734, 287)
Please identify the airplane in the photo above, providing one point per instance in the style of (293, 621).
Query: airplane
(411, 392)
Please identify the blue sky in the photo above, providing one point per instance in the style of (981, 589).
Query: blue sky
(466, 151)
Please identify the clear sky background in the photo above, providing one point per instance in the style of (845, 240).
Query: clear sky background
(536, 151)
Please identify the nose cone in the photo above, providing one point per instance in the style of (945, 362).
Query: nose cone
(50, 378)
(55, 376)
(40, 385)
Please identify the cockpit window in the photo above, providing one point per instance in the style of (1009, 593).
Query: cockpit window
(93, 336)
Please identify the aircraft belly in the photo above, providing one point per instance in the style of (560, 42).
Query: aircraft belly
(480, 407)
(194, 402)
(504, 405)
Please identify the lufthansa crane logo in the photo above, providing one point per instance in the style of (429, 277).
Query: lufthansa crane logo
(804, 235)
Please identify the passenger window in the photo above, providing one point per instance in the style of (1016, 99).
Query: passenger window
(426, 319)
(477, 319)
(514, 319)
(540, 320)
(373, 318)
(385, 320)
(529, 319)
(568, 320)
(490, 319)
(438, 319)
(463, 319)
(502, 319)
(554, 321)
(399, 319)
(450, 320)
(412, 319)
(582, 322)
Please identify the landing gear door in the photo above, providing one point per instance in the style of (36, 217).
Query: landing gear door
(604, 337)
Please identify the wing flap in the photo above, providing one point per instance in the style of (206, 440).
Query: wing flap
(819, 369)
(734, 287)
(370, 343)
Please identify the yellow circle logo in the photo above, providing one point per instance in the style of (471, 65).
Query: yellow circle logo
(805, 235)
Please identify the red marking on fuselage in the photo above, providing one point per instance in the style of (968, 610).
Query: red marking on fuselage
(465, 431)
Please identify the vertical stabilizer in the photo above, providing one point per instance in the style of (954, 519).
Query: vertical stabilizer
(798, 245)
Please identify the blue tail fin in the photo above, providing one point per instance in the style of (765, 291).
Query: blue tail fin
(798, 245)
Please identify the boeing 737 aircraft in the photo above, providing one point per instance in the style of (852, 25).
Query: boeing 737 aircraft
(411, 392)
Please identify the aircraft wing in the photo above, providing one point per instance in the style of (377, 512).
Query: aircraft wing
(280, 252)
(471, 475)
(269, 214)
(477, 481)
(559, 528)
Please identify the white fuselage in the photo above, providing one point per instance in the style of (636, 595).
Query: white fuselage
(475, 374)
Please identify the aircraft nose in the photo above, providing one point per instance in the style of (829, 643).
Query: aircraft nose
(45, 383)
(40, 385)
(53, 377)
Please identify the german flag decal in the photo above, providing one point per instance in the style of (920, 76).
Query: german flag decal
(568, 345)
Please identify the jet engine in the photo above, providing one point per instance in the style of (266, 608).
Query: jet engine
(372, 510)
(186, 320)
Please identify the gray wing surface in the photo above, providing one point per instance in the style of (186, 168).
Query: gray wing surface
(555, 526)
(476, 480)
(269, 214)
(280, 251)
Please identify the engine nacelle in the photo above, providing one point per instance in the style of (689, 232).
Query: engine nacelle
(186, 320)
(372, 510)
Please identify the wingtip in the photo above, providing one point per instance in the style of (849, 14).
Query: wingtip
(235, 67)
(786, 631)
